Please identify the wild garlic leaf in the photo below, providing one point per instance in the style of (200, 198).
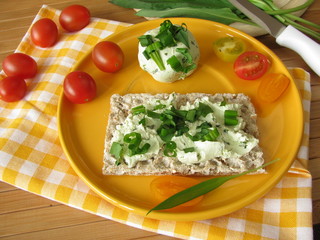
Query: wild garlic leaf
(200, 189)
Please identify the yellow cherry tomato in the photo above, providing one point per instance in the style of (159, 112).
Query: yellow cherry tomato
(229, 48)
(272, 86)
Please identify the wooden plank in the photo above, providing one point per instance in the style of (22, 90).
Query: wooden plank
(40, 219)
(316, 212)
(316, 189)
(314, 168)
(315, 124)
(15, 200)
(95, 230)
(315, 110)
(315, 91)
(314, 151)
(316, 201)
(32, 209)
(4, 187)
(52, 223)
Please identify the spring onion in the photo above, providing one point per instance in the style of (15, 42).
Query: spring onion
(170, 149)
(205, 133)
(187, 63)
(145, 40)
(138, 110)
(159, 106)
(116, 150)
(230, 113)
(190, 149)
(166, 38)
(175, 64)
(133, 140)
(223, 103)
(153, 114)
(230, 117)
(143, 121)
(212, 135)
(153, 51)
(187, 56)
(231, 121)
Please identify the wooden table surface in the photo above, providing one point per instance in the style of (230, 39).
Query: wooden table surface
(28, 216)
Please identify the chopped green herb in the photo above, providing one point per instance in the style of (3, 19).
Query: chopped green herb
(175, 64)
(190, 149)
(187, 62)
(145, 40)
(134, 139)
(166, 132)
(143, 121)
(203, 110)
(212, 135)
(144, 148)
(139, 109)
(191, 115)
(180, 113)
(170, 149)
(223, 103)
(187, 55)
(171, 145)
(153, 114)
(182, 35)
(116, 150)
(189, 68)
(146, 55)
(230, 113)
(152, 51)
(230, 117)
(205, 125)
(159, 106)
(231, 121)
(166, 38)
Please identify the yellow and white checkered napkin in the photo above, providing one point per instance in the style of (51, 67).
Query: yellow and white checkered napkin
(31, 157)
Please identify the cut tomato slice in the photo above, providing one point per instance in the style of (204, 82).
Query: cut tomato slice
(273, 86)
(251, 65)
(228, 48)
(164, 187)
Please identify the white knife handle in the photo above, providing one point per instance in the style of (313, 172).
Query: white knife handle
(308, 49)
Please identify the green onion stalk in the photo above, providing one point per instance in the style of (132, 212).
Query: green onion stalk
(286, 17)
(221, 11)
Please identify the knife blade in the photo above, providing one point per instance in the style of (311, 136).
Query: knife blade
(286, 36)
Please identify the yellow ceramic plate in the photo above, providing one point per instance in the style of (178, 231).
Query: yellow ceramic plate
(82, 127)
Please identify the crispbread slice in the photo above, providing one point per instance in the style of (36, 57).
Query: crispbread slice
(160, 164)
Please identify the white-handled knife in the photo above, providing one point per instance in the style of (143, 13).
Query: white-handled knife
(286, 36)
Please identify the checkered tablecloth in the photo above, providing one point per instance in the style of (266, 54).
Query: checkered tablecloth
(32, 159)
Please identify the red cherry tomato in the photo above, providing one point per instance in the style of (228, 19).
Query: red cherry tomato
(107, 56)
(19, 65)
(165, 186)
(79, 87)
(12, 89)
(74, 18)
(44, 33)
(251, 65)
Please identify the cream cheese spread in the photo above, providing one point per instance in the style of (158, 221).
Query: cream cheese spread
(168, 74)
(231, 142)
